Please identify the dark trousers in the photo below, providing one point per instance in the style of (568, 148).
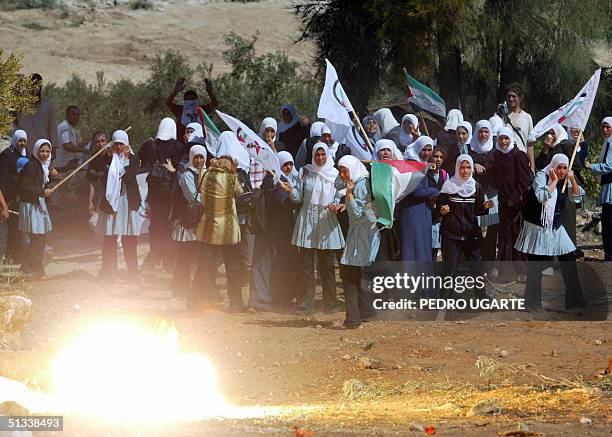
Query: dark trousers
(606, 229)
(33, 255)
(260, 292)
(204, 287)
(325, 267)
(109, 255)
(488, 244)
(452, 250)
(186, 256)
(161, 247)
(451, 253)
(569, 270)
(14, 239)
(357, 300)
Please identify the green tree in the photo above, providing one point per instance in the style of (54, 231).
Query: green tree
(16, 91)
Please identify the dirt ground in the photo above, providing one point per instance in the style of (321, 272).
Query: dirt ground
(91, 36)
(419, 373)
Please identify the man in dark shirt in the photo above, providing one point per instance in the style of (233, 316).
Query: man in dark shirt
(189, 111)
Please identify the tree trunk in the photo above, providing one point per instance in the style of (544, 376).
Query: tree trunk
(449, 72)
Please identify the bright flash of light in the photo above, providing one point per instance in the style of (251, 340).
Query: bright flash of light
(122, 371)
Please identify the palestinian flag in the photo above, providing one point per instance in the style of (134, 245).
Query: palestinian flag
(211, 131)
(425, 98)
(391, 182)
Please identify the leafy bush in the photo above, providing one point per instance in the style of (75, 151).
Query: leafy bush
(256, 87)
(16, 91)
(141, 4)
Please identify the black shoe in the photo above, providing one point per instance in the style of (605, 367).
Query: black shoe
(577, 304)
(236, 308)
(352, 325)
(534, 308)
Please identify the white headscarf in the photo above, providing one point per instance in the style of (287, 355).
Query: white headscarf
(378, 135)
(413, 151)
(458, 185)
(285, 157)
(475, 144)
(197, 135)
(468, 127)
(45, 164)
(560, 133)
(190, 113)
(406, 138)
(316, 128)
(386, 121)
(356, 169)
(334, 147)
(230, 146)
(19, 135)
(608, 121)
(116, 171)
(294, 119)
(196, 150)
(166, 130)
(323, 191)
(266, 123)
(548, 211)
(496, 124)
(453, 119)
(505, 132)
(388, 144)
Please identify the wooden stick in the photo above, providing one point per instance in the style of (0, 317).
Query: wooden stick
(13, 212)
(363, 132)
(571, 163)
(424, 124)
(84, 164)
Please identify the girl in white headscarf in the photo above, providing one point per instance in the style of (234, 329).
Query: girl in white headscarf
(510, 174)
(386, 121)
(371, 127)
(463, 136)
(275, 259)
(194, 134)
(387, 150)
(184, 232)
(543, 234)
(447, 138)
(304, 153)
(362, 239)
(19, 142)
(317, 230)
(410, 130)
(118, 216)
(34, 219)
(602, 170)
(267, 131)
(461, 200)
(482, 152)
(420, 150)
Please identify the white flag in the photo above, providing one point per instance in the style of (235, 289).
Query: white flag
(258, 149)
(574, 113)
(334, 104)
(358, 145)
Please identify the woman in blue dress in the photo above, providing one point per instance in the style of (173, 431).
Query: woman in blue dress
(317, 232)
(415, 209)
(362, 240)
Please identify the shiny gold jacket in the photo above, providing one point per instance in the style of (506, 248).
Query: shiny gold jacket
(219, 224)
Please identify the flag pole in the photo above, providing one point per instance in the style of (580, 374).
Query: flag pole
(363, 132)
(83, 165)
(424, 124)
(571, 163)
